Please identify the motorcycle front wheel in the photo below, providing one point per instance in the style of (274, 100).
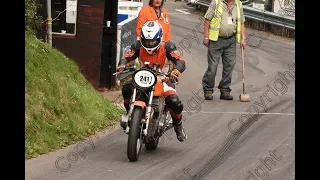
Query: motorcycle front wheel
(134, 137)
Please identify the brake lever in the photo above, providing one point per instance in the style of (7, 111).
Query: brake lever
(173, 80)
(121, 72)
(167, 76)
(176, 82)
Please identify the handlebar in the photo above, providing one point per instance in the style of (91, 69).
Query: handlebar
(167, 76)
(120, 72)
(126, 70)
(129, 69)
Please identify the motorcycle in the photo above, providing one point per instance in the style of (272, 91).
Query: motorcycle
(148, 117)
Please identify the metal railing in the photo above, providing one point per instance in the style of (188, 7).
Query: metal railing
(262, 16)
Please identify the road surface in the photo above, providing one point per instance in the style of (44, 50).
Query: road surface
(220, 145)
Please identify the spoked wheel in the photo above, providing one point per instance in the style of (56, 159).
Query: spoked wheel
(168, 121)
(152, 144)
(134, 137)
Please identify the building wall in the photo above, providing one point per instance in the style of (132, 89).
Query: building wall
(85, 46)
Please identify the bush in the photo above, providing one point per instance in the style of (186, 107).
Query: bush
(33, 21)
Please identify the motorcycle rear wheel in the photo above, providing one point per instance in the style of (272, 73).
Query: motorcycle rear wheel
(152, 144)
(134, 136)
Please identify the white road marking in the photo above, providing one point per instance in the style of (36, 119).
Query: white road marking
(206, 112)
(182, 11)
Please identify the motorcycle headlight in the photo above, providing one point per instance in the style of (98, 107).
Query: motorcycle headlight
(144, 79)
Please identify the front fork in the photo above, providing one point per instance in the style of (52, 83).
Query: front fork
(124, 122)
(148, 112)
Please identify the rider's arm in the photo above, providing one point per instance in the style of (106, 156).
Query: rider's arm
(174, 57)
(131, 55)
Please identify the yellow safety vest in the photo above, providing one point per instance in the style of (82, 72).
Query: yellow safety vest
(215, 21)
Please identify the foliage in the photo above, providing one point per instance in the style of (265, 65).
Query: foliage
(33, 20)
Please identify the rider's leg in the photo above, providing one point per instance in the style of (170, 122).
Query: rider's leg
(126, 94)
(175, 107)
(172, 85)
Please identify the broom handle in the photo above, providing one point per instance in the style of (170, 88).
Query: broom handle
(242, 69)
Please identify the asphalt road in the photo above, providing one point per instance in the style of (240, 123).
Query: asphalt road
(225, 142)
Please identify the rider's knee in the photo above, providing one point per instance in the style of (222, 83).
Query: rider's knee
(174, 103)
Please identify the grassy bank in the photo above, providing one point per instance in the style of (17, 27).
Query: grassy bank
(59, 111)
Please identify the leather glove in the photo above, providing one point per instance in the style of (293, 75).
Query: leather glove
(175, 74)
(120, 68)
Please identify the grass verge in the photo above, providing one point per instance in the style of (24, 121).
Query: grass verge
(59, 110)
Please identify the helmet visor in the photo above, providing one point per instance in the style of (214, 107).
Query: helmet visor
(150, 43)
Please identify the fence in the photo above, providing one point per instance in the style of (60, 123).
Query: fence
(126, 36)
(280, 20)
(128, 9)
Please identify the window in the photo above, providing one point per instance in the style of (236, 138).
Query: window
(64, 16)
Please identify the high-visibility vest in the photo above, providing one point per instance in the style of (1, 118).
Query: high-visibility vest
(215, 21)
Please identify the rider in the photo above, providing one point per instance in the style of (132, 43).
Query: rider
(153, 49)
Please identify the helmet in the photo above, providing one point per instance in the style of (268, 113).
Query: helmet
(151, 36)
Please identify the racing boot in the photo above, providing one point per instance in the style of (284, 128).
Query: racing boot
(178, 128)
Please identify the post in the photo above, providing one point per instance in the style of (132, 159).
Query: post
(49, 22)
